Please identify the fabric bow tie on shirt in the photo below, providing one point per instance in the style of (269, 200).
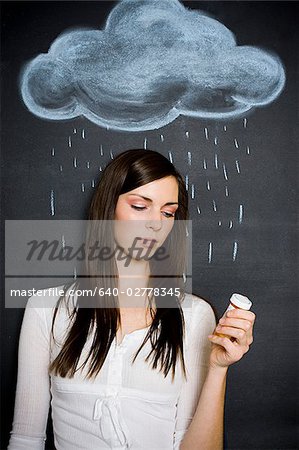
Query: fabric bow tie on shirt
(112, 426)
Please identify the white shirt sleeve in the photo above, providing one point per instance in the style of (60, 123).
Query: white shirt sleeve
(196, 360)
(33, 385)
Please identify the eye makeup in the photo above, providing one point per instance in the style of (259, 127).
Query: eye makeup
(167, 214)
(150, 200)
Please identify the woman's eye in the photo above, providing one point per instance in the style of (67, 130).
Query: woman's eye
(142, 208)
(138, 208)
(168, 214)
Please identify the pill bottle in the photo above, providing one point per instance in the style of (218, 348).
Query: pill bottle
(237, 301)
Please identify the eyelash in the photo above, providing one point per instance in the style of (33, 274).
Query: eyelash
(142, 208)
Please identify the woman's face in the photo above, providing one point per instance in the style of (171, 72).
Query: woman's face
(145, 216)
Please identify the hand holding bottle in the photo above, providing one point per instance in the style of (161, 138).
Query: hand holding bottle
(234, 333)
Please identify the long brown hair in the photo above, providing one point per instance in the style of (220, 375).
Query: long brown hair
(129, 170)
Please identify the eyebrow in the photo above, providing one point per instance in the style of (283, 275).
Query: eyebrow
(150, 200)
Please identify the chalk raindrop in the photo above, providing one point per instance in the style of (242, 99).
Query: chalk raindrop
(235, 250)
(241, 213)
(192, 191)
(216, 161)
(210, 252)
(206, 134)
(225, 172)
(52, 203)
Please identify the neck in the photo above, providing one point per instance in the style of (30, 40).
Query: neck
(132, 282)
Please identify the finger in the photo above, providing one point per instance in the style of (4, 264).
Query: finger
(241, 314)
(236, 333)
(234, 350)
(237, 323)
(223, 341)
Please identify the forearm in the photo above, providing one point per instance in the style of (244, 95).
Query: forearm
(206, 429)
(32, 399)
(20, 442)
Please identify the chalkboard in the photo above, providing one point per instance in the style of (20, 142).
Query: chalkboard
(240, 171)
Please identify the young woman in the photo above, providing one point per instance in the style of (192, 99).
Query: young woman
(139, 369)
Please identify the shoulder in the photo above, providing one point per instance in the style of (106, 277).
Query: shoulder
(42, 305)
(193, 305)
(45, 298)
(198, 314)
(44, 302)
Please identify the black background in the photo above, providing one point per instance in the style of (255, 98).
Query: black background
(262, 388)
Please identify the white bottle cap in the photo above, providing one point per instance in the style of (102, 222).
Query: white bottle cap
(241, 301)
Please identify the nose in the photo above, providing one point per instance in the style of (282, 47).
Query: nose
(154, 221)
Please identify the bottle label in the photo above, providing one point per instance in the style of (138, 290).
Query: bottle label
(230, 307)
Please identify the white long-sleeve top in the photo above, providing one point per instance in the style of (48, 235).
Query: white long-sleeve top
(127, 406)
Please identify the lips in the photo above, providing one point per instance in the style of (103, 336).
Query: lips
(147, 241)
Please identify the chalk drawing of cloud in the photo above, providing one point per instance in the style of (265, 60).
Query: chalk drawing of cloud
(153, 61)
